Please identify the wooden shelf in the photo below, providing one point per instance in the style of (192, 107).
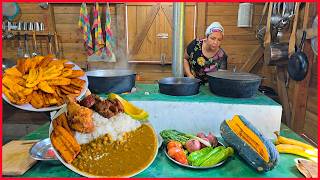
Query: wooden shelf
(30, 33)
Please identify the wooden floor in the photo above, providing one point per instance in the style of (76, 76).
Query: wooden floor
(17, 123)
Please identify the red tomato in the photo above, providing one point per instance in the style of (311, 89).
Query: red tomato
(173, 151)
(172, 144)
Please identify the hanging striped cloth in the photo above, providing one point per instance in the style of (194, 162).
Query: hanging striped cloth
(85, 29)
(109, 41)
(99, 43)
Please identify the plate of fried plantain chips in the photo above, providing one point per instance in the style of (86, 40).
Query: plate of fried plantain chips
(41, 83)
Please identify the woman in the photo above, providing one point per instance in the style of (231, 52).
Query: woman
(204, 56)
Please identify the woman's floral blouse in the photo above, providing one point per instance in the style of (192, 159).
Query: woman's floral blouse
(200, 65)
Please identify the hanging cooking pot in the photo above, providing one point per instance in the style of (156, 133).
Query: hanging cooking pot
(298, 62)
(179, 86)
(111, 80)
(233, 84)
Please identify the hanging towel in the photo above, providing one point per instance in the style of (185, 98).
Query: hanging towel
(99, 43)
(85, 29)
(109, 40)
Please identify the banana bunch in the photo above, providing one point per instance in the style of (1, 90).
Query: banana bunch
(291, 146)
(129, 108)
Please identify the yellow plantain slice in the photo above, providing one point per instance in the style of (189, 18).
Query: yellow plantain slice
(44, 86)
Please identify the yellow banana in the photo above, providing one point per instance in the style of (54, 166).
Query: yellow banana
(129, 108)
(297, 150)
(284, 140)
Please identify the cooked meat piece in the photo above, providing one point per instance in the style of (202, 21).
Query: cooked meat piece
(79, 117)
(107, 108)
(88, 101)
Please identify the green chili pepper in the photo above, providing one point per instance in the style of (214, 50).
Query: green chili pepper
(218, 157)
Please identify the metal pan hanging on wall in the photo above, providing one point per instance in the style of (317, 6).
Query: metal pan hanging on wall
(298, 62)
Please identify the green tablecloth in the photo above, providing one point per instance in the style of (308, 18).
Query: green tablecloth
(163, 167)
(150, 92)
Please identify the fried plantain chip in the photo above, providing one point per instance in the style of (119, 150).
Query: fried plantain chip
(27, 65)
(38, 76)
(70, 89)
(44, 63)
(20, 66)
(44, 86)
(13, 71)
(66, 72)
(69, 66)
(76, 73)
(65, 91)
(58, 81)
(36, 100)
(78, 82)
(62, 149)
(8, 94)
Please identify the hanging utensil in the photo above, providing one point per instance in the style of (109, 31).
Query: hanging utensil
(292, 40)
(267, 37)
(27, 53)
(50, 44)
(35, 50)
(298, 62)
(56, 45)
(20, 50)
(260, 30)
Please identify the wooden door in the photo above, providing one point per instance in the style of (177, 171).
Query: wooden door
(150, 31)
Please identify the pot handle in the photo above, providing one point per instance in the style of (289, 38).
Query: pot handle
(304, 35)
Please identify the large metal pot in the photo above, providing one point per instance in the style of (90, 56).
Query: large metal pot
(179, 86)
(233, 84)
(107, 81)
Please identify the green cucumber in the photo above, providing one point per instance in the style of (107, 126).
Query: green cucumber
(203, 158)
(197, 154)
(218, 157)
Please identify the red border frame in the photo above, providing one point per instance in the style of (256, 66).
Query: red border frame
(59, 1)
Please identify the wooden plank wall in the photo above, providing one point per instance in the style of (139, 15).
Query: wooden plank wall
(311, 119)
(239, 43)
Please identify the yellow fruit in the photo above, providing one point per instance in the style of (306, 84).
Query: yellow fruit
(284, 140)
(297, 150)
(129, 108)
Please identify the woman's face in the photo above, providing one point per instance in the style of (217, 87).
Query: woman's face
(214, 40)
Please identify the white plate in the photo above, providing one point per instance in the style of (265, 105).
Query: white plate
(29, 107)
(62, 110)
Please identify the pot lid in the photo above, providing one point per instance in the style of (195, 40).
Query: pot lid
(240, 76)
(179, 80)
(110, 73)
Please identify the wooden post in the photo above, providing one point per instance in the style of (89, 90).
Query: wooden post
(283, 94)
(300, 95)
